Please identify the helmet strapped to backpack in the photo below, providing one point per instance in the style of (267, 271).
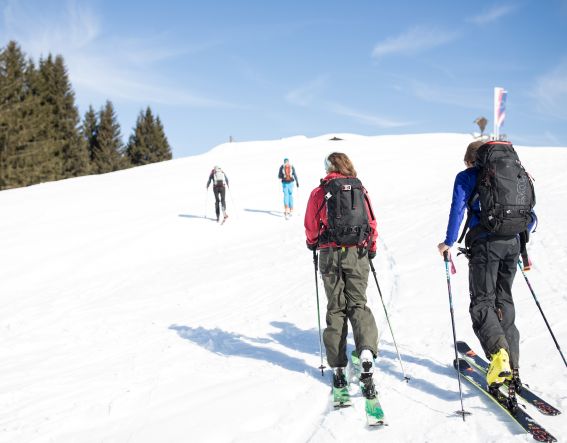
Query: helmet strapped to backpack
(346, 212)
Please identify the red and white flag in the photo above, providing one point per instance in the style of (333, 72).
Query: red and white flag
(499, 109)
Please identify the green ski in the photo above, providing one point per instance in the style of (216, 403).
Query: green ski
(341, 397)
(372, 406)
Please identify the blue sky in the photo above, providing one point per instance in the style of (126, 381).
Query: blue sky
(270, 69)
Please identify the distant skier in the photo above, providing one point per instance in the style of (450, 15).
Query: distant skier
(339, 221)
(220, 183)
(493, 256)
(288, 177)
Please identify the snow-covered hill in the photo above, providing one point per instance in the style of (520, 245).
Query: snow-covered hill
(126, 315)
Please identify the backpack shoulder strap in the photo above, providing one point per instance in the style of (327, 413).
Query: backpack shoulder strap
(525, 238)
(365, 193)
(326, 197)
(471, 201)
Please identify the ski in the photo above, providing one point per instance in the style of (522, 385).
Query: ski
(372, 406)
(341, 397)
(519, 415)
(355, 367)
(374, 412)
(525, 392)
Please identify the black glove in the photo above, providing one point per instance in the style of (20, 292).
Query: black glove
(312, 247)
(371, 255)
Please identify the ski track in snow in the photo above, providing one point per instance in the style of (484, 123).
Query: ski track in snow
(129, 316)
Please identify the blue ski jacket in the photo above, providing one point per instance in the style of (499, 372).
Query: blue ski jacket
(465, 183)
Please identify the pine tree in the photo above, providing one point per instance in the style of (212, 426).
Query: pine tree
(12, 96)
(89, 130)
(163, 150)
(41, 136)
(69, 155)
(108, 152)
(148, 143)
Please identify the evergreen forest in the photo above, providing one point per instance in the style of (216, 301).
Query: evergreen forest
(42, 135)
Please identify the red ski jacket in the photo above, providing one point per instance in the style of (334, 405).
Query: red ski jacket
(313, 220)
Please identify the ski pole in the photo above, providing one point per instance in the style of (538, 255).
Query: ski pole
(231, 198)
(206, 201)
(541, 310)
(318, 312)
(406, 378)
(446, 258)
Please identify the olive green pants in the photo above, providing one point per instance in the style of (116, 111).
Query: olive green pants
(345, 278)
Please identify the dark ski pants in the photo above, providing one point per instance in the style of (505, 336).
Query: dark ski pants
(345, 278)
(492, 267)
(220, 193)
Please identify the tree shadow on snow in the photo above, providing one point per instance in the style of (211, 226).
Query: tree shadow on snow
(231, 344)
(262, 211)
(204, 217)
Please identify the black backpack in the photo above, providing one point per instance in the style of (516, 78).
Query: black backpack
(346, 212)
(504, 189)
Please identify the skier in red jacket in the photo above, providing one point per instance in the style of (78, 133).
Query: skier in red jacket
(340, 223)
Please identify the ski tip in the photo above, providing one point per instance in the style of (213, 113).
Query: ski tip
(459, 363)
(342, 405)
(377, 423)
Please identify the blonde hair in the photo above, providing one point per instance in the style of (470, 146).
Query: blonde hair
(339, 162)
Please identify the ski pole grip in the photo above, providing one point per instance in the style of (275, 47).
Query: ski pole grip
(446, 256)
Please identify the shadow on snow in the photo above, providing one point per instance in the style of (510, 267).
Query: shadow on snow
(231, 344)
(307, 342)
(204, 217)
(262, 211)
(388, 362)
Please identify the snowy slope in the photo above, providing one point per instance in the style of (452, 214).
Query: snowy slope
(127, 316)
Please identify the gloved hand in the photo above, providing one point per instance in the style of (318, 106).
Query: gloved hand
(312, 247)
(371, 255)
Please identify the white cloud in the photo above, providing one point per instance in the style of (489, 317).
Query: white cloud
(306, 94)
(40, 29)
(492, 15)
(117, 68)
(550, 92)
(368, 119)
(466, 98)
(413, 41)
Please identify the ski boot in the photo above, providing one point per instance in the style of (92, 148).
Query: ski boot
(515, 380)
(499, 369)
(366, 372)
(341, 396)
(339, 379)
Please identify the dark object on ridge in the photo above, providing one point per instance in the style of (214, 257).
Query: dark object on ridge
(481, 122)
(335, 139)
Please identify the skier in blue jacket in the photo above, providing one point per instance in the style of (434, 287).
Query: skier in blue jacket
(492, 267)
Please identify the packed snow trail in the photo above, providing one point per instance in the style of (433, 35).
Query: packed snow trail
(129, 315)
